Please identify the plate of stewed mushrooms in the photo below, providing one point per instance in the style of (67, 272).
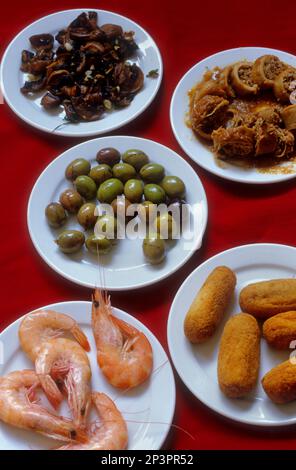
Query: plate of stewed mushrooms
(81, 73)
(128, 204)
(234, 113)
(83, 376)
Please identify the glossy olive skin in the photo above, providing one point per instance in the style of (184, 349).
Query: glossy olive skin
(173, 186)
(108, 156)
(86, 215)
(147, 211)
(109, 190)
(70, 241)
(86, 187)
(120, 206)
(154, 249)
(55, 214)
(136, 158)
(124, 172)
(154, 193)
(78, 167)
(152, 173)
(100, 173)
(71, 200)
(100, 244)
(133, 190)
(106, 226)
(165, 226)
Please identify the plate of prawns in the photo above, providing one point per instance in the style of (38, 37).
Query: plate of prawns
(83, 376)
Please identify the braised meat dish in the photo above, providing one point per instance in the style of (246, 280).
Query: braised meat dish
(88, 73)
(247, 110)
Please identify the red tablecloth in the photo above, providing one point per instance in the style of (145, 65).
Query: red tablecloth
(186, 32)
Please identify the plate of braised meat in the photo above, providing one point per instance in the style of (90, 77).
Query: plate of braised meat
(81, 73)
(234, 113)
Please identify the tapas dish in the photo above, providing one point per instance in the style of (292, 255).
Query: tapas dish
(81, 73)
(82, 266)
(231, 334)
(65, 385)
(234, 113)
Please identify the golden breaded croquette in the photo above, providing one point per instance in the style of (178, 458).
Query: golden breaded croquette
(209, 305)
(267, 298)
(280, 330)
(280, 383)
(239, 356)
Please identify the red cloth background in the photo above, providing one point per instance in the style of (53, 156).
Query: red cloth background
(186, 32)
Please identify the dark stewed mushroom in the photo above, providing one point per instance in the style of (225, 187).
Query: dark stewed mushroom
(88, 72)
(50, 101)
(112, 30)
(42, 41)
(33, 85)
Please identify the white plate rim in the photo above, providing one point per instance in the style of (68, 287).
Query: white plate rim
(173, 356)
(280, 178)
(127, 317)
(64, 133)
(136, 286)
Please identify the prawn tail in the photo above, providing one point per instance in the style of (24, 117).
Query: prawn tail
(51, 390)
(80, 337)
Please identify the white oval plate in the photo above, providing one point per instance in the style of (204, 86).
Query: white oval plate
(197, 364)
(125, 267)
(147, 409)
(30, 110)
(189, 142)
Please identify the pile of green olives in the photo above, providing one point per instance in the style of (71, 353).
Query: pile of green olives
(118, 180)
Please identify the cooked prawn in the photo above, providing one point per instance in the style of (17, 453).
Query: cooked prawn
(18, 408)
(110, 433)
(63, 362)
(41, 325)
(124, 354)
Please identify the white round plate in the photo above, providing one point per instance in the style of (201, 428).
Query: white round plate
(197, 364)
(147, 409)
(30, 110)
(190, 143)
(125, 267)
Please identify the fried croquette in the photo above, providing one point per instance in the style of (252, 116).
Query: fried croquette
(209, 305)
(280, 330)
(280, 383)
(239, 356)
(267, 298)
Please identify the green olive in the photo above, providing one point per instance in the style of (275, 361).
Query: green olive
(173, 186)
(109, 190)
(70, 241)
(124, 172)
(55, 214)
(98, 244)
(106, 225)
(71, 200)
(152, 173)
(86, 187)
(147, 211)
(120, 206)
(78, 167)
(100, 173)
(154, 249)
(86, 215)
(109, 156)
(154, 193)
(133, 190)
(136, 158)
(165, 226)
